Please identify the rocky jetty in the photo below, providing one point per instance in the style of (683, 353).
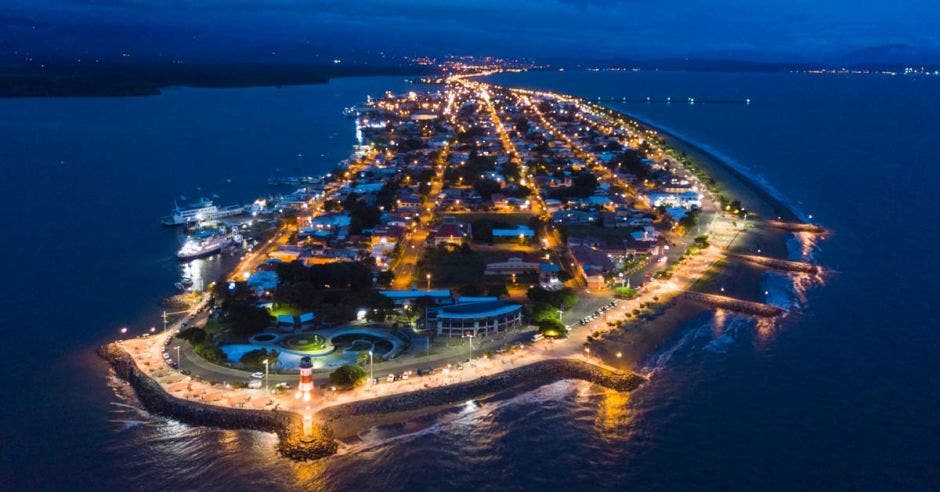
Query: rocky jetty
(287, 425)
(319, 442)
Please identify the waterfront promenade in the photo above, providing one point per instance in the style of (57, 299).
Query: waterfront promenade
(147, 353)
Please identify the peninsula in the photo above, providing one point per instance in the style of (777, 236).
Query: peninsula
(479, 238)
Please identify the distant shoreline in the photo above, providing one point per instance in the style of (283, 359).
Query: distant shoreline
(151, 80)
(718, 164)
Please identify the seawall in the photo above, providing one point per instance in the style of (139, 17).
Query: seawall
(320, 443)
(523, 378)
(287, 425)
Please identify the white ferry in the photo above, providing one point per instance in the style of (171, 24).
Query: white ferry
(197, 248)
(200, 211)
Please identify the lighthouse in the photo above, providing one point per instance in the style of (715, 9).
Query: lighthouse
(306, 379)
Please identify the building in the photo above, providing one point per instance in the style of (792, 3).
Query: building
(512, 266)
(474, 318)
(402, 297)
(592, 261)
(519, 232)
(686, 199)
(449, 232)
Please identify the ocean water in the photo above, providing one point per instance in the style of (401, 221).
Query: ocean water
(840, 394)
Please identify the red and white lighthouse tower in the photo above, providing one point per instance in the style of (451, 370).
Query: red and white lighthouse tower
(306, 379)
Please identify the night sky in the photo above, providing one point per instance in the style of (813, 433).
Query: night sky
(299, 30)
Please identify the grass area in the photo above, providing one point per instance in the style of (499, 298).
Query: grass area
(284, 310)
(213, 326)
(452, 266)
(306, 342)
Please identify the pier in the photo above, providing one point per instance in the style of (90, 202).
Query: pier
(777, 264)
(736, 305)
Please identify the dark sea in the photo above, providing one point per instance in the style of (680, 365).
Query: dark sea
(840, 394)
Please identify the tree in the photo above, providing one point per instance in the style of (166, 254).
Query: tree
(232, 293)
(192, 335)
(363, 215)
(625, 292)
(245, 319)
(471, 289)
(563, 298)
(631, 161)
(487, 188)
(387, 277)
(552, 328)
(348, 376)
(254, 359)
(497, 290)
(702, 241)
(210, 352)
(542, 312)
(584, 184)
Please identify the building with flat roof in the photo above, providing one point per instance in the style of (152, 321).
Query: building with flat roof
(402, 297)
(522, 231)
(476, 318)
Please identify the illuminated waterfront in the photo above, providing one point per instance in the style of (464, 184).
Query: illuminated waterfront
(683, 402)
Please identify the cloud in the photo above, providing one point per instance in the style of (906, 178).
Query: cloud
(536, 27)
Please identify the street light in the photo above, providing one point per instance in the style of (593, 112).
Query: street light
(265, 374)
(371, 371)
(619, 355)
(179, 361)
(469, 336)
(428, 276)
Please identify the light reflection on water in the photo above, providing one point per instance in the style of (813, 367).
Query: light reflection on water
(591, 421)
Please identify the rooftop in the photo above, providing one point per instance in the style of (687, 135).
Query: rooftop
(477, 310)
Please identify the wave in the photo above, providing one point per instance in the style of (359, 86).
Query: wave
(129, 424)
(661, 359)
(780, 289)
(720, 345)
(801, 246)
(464, 414)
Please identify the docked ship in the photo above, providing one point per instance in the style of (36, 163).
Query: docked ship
(200, 211)
(197, 248)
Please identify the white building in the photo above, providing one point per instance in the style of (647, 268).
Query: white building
(476, 318)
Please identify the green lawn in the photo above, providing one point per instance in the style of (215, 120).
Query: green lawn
(452, 266)
(284, 310)
(305, 343)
